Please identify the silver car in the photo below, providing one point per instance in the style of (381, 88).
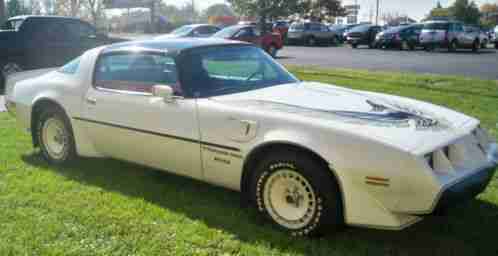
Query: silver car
(450, 35)
(312, 33)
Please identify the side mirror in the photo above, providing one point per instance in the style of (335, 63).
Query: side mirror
(165, 92)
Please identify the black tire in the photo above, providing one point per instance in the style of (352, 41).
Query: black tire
(354, 46)
(475, 46)
(2, 84)
(68, 152)
(323, 212)
(452, 46)
(311, 41)
(484, 45)
(404, 45)
(496, 46)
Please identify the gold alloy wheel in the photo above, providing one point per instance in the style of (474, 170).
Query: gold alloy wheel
(289, 199)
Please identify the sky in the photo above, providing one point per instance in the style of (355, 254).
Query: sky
(416, 9)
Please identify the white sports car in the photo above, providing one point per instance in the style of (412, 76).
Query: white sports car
(309, 156)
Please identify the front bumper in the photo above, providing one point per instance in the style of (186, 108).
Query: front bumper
(465, 189)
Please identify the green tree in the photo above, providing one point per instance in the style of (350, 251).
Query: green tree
(466, 11)
(218, 10)
(328, 8)
(268, 9)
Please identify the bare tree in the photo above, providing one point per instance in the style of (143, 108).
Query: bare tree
(96, 10)
(2, 11)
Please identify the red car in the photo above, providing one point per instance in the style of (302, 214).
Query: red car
(271, 42)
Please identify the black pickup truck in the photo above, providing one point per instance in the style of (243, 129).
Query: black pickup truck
(33, 42)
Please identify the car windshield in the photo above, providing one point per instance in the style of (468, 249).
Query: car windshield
(297, 26)
(220, 70)
(363, 28)
(396, 29)
(437, 26)
(226, 32)
(12, 24)
(182, 30)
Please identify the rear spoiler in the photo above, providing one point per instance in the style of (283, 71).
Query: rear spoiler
(20, 76)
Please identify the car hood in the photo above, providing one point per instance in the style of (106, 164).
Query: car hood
(401, 122)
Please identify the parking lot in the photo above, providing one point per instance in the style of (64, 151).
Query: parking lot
(463, 63)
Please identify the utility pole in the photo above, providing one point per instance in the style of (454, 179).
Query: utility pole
(377, 14)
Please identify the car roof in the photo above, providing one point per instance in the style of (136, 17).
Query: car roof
(170, 45)
(23, 17)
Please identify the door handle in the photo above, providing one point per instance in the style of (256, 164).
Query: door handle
(91, 101)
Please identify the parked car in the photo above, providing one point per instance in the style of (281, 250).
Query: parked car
(33, 42)
(363, 35)
(495, 37)
(311, 34)
(271, 42)
(194, 30)
(281, 27)
(450, 35)
(402, 37)
(339, 30)
(476, 32)
(224, 112)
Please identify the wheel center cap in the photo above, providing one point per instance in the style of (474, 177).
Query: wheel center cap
(293, 197)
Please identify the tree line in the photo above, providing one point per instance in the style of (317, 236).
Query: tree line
(466, 11)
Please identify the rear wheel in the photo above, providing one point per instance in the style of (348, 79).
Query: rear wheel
(297, 194)
(452, 46)
(496, 45)
(484, 44)
(354, 46)
(311, 41)
(55, 136)
(475, 46)
(404, 45)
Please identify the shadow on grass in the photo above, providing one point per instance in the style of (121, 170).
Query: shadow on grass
(469, 229)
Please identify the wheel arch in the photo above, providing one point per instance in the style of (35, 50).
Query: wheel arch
(261, 150)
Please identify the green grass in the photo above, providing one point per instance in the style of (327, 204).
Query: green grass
(107, 207)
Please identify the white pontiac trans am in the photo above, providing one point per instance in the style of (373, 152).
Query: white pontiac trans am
(309, 156)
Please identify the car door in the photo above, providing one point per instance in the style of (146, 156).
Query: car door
(127, 122)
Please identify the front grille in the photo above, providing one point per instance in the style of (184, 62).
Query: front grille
(468, 153)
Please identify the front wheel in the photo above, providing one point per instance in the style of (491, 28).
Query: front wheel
(452, 46)
(298, 194)
(55, 137)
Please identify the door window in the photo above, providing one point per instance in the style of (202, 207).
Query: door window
(136, 72)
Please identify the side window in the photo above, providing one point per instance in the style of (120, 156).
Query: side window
(315, 27)
(50, 31)
(136, 72)
(202, 30)
(80, 30)
(71, 68)
(244, 32)
(324, 28)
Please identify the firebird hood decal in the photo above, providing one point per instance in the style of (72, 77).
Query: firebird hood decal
(358, 108)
